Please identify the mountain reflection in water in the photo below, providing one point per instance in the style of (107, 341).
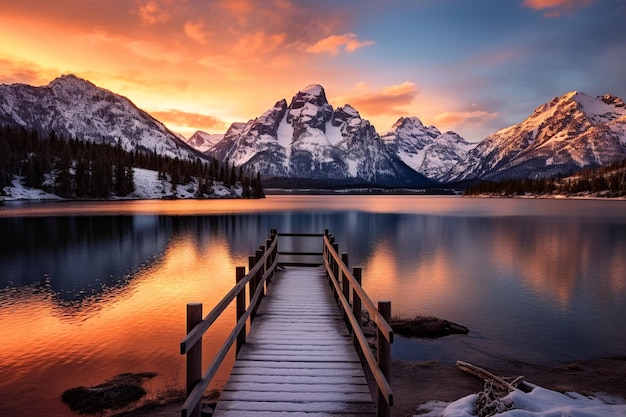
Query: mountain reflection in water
(88, 291)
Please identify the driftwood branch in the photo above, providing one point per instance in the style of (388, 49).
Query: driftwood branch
(487, 376)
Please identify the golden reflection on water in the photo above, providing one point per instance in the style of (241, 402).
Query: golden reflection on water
(432, 262)
(96, 344)
(556, 263)
(553, 263)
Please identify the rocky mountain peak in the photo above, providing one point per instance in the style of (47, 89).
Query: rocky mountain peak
(308, 139)
(70, 83)
(612, 100)
(567, 133)
(344, 114)
(314, 90)
(313, 95)
(76, 108)
(309, 108)
(408, 122)
(426, 149)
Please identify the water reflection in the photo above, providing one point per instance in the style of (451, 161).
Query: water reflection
(85, 297)
(131, 328)
(537, 289)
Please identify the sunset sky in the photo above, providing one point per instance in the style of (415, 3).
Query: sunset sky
(469, 66)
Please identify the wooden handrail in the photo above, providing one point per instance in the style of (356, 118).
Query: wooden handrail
(301, 234)
(306, 255)
(261, 269)
(367, 303)
(335, 267)
(195, 389)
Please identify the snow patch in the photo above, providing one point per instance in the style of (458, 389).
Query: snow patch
(333, 133)
(285, 133)
(313, 89)
(540, 402)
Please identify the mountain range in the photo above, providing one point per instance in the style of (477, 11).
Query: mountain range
(565, 135)
(310, 139)
(307, 141)
(74, 107)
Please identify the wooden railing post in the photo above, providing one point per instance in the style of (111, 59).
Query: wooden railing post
(335, 269)
(356, 302)
(345, 283)
(384, 358)
(268, 260)
(259, 275)
(240, 273)
(345, 286)
(194, 355)
(252, 284)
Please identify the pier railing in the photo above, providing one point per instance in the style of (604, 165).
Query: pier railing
(348, 292)
(261, 270)
(353, 299)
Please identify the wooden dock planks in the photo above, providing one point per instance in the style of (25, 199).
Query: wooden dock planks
(298, 359)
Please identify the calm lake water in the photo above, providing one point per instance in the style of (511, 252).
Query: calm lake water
(91, 290)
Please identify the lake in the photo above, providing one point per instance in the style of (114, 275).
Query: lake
(90, 290)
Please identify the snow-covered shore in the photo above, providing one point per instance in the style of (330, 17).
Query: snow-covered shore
(148, 186)
(540, 402)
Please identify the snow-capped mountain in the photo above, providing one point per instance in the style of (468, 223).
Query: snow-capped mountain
(204, 141)
(425, 149)
(309, 139)
(74, 107)
(570, 132)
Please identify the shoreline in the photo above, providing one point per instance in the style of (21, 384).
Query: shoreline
(418, 382)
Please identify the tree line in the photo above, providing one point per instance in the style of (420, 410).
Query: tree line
(72, 168)
(606, 181)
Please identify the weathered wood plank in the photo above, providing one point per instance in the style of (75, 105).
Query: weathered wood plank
(236, 413)
(301, 371)
(328, 407)
(298, 359)
(268, 386)
(295, 397)
(295, 379)
(296, 365)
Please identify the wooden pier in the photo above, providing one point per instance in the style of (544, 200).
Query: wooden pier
(305, 353)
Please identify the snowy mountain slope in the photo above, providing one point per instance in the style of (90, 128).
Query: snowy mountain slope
(74, 107)
(426, 149)
(203, 141)
(309, 139)
(149, 185)
(570, 132)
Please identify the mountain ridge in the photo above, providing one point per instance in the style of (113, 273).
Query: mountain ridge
(307, 138)
(568, 133)
(75, 107)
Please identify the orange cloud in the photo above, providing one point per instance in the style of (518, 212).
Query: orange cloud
(24, 72)
(259, 42)
(389, 100)
(196, 121)
(239, 10)
(465, 117)
(555, 8)
(152, 13)
(196, 31)
(334, 43)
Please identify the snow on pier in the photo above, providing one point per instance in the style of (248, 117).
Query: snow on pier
(299, 357)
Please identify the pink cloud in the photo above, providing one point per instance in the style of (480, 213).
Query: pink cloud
(192, 120)
(152, 13)
(471, 118)
(555, 8)
(196, 31)
(334, 43)
(389, 100)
